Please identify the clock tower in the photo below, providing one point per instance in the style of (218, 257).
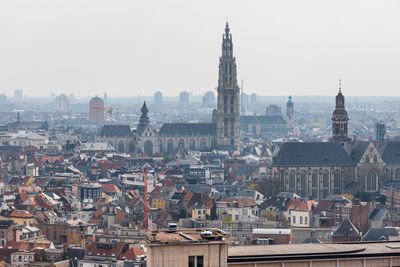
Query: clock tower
(227, 117)
(340, 120)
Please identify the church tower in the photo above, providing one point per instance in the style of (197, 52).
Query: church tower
(340, 120)
(228, 106)
(290, 111)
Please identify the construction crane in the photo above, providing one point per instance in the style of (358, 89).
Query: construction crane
(146, 208)
(110, 110)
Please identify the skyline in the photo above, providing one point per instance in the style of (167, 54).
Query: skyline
(281, 49)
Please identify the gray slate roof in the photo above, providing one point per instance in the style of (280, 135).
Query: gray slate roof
(173, 129)
(346, 228)
(115, 131)
(312, 154)
(380, 233)
(391, 153)
(358, 149)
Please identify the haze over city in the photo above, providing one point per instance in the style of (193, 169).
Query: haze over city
(131, 48)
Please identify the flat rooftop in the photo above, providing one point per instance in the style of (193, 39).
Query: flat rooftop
(316, 251)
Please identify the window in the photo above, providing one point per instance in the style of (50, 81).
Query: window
(294, 219)
(325, 184)
(301, 219)
(303, 183)
(314, 184)
(292, 182)
(305, 220)
(336, 182)
(367, 159)
(375, 159)
(196, 261)
(371, 181)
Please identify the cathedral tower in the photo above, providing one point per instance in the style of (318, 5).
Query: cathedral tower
(290, 111)
(227, 117)
(340, 120)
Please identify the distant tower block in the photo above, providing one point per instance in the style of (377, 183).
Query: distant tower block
(340, 120)
(158, 101)
(184, 99)
(96, 110)
(290, 111)
(228, 105)
(380, 131)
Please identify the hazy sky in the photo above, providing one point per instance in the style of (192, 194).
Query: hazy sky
(129, 47)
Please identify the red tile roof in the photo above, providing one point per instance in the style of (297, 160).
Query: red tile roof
(106, 250)
(110, 188)
(21, 214)
(188, 196)
(132, 253)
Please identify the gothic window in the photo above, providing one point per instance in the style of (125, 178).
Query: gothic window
(148, 148)
(226, 126)
(170, 146)
(375, 159)
(367, 159)
(336, 182)
(192, 144)
(225, 100)
(182, 142)
(282, 184)
(303, 183)
(371, 181)
(131, 147)
(325, 184)
(397, 174)
(121, 147)
(214, 143)
(292, 181)
(232, 127)
(232, 100)
(203, 144)
(314, 184)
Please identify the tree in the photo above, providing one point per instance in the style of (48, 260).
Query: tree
(268, 214)
(213, 212)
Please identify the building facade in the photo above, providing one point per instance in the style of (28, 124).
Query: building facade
(96, 110)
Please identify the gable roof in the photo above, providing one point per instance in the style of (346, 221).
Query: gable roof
(346, 229)
(312, 154)
(380, 233)
(391, 153)
(115, 131)
(188, 129)
(358, 150)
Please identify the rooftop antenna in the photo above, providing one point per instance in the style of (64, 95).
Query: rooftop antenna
(340, 86)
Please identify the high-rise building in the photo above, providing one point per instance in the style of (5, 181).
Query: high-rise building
(253, 101)
(3, 98)
(184, 99)
(158, 98)
(96, 110)
(228, 107)
(340, 120)
(62, 103)
(208, 99)
(380, 131)
(290, 111)
(18, 94)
